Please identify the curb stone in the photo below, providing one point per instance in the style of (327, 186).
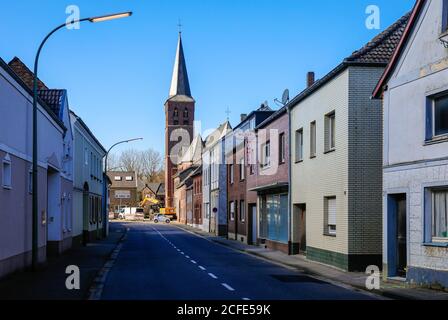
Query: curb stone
(96, 289)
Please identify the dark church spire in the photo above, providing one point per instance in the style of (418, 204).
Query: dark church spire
(179, 83)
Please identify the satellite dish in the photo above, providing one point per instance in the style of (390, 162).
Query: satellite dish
(285, 97)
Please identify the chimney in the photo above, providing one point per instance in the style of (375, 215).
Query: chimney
(309, 79)
(243, 117)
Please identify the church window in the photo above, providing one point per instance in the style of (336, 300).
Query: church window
(176, 112)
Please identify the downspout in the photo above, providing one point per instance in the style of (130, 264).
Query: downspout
(290, 246)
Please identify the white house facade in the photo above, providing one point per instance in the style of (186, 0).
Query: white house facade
(415, 155)
(88, 184)
(336, 167)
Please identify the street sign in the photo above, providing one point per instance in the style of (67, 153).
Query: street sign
(122, 194)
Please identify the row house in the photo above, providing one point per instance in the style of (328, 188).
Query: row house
(214, 181)
(123, 191)
(241, 226)
(268, 183)
(414, 91)
(55, 156)
(190, 161)
(88, 183)
(336, 164)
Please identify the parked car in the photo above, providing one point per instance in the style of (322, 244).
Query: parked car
(161, 218)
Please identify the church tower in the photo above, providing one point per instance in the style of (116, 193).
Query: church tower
(179, 118)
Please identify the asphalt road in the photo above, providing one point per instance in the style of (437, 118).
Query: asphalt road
(163, 262)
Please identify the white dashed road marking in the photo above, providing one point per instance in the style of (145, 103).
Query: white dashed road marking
(202, 268)
(246, 299)
(213, 276)
(192, 261)
(225, 285)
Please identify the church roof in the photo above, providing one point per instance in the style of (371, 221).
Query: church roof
(180, 86)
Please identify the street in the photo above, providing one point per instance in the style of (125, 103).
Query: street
(164, 262)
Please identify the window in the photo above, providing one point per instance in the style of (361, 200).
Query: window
(266, 155)
(175, 113)
(30, 181)
(330, 216)
(441, 116)
(274, 217)
(86, 157)
(439, 206)
(330, 132)
(242, 211)
(242, 169)
(7, 172)
(313, 139)
(129, 178)
(282, 148)
(117, 178)
(231, 174)
(232, 211)
(252, 169)
(185, 113)
(445, 16)
(176, 122)
(299, 145)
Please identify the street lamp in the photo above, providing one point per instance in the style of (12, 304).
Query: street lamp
(35, 244)
(105, 215)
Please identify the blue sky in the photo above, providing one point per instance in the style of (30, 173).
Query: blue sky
(239, 53)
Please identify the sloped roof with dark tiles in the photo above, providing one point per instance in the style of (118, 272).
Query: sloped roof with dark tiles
(25, 74)
(53, 98)
(376, 52)
(381, 48)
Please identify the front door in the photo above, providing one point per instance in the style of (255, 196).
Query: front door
(401, 232)
(253, 213)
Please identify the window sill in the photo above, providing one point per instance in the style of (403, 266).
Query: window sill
(299, 161)
(329, 151)
(436, 139)
(436, 244)
(7, 187)
(313, 157)
(330, 235)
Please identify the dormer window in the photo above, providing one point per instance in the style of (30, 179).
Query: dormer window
(117, 178)
(176, 112)
(129, 178)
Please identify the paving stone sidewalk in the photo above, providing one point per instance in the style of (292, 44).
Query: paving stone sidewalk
(390, 289)
(48, 283)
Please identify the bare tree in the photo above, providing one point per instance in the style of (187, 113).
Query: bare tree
(148, 164)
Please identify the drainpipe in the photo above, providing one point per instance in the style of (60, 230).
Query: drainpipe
(290, 246)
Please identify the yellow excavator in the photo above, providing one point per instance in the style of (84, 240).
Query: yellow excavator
(150, 200)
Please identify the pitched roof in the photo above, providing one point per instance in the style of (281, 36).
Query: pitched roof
(381, 48)
(399, 49)
(25, 74)
(217, 134)
(29, 89)
(123, 183)
(374, 53)
(273, 117)
(194, 151)
(180, 86)
(53, 98)
(79, 119)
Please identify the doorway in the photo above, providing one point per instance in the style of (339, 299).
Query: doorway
(53, 208)
(397, 235)
(253, 223)
(300, 212)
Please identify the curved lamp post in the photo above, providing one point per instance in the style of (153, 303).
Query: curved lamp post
(105, 214)
(35, 229)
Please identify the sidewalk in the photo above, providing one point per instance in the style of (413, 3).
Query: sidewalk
(48, 283)
(356, 280)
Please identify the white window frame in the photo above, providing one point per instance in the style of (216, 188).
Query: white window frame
(117, 178)
(332, 131)
(129, 178)
(282, 147)
(266, 155)
(313, 139)
(242, 169)
(299, 145)
(445, 96)
(232, 211)
(7, 172)
(433, 208)
(231, 173)
(242, 211)
(331, 216)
